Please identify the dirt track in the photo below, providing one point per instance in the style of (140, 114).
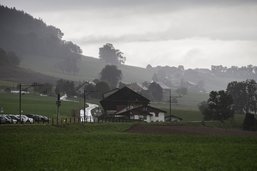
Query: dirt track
(182, 129)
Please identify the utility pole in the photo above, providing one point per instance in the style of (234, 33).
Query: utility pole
(20, 102)
(20, 93)
(58, 104)
(84, 105)
(170, 104)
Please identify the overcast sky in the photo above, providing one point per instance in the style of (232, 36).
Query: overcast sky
(193, 33)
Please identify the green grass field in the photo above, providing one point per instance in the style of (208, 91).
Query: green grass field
(35, 104)
(108, 147)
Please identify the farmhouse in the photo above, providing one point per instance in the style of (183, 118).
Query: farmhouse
(126, 103)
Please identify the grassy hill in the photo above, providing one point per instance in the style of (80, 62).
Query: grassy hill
(89, 69)
(23, 75)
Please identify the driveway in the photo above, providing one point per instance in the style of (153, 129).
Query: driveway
(88, 115)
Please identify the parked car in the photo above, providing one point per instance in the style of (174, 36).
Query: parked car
(38, 118)
(13, 120)
(4, 120)
(25, 119)
(14, 117)
(45, 119)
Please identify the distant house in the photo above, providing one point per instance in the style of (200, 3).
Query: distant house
(80, 88)
(137, 87)
(165, 91)
(126, 103)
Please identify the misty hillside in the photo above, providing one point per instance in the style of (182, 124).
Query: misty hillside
(202, 79)
(89, 69)
(11, 71)
(40, 48)
(42, 53)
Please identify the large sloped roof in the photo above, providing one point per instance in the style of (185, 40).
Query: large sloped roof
(147, 109)
(123, 96)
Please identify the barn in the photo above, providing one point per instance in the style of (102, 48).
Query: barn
(128, 104)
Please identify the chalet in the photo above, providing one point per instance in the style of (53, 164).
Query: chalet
(126, 103)
(145, 113)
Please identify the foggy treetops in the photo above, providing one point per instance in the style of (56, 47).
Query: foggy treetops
(25, 35)
(110, 55)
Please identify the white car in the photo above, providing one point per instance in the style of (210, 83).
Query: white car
(13, 120)
(25, 119)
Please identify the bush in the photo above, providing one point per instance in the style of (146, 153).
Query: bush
(250, 123)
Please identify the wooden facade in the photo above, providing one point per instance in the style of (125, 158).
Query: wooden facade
(121, 99)
(128, 104)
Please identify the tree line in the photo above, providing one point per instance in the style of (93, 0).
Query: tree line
(201, 80)
(240, 97)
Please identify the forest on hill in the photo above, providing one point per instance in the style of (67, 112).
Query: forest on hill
(201, 79)
(25, 35)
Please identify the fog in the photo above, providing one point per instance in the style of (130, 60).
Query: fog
(192, 33)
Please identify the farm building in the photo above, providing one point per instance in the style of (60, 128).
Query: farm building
(126, 103)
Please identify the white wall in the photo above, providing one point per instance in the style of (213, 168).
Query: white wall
(153, 118)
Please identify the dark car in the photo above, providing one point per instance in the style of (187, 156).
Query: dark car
(38, 118)
(15, 117)
(5, 120)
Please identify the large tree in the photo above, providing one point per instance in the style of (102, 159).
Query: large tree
(45, 88)
(110, 55)
(244, 95)
(65, 86)
(111, 74)
(218, 107)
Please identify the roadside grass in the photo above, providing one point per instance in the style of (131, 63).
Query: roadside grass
(107, 146)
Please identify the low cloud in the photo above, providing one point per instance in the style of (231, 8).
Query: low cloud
(163, 32)
(160, 5)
